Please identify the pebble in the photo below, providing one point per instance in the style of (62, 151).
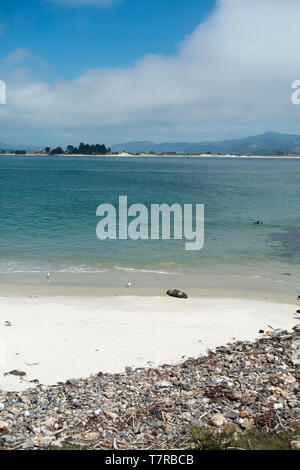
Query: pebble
(218, 420)
(152, 408)
(295, 445)
(162, 384)
(278, 406)
(245, 423)
(111, 415)
(3, 426)
(39, 442)
(92, 436)
(290, 379)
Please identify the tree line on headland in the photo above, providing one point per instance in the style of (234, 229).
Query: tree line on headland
(82, 149)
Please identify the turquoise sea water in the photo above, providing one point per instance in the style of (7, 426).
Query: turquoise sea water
(48, 213)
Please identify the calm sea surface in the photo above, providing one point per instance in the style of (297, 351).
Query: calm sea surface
(48, 214)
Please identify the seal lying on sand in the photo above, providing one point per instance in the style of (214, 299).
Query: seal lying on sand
(177, 293)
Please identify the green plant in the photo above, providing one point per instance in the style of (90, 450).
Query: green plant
(212, 439)
(228, 438)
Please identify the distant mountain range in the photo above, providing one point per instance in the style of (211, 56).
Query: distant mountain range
(269, 143)
(10, 147)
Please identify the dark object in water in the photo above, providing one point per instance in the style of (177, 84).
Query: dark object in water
(177, 293)
(258, 222)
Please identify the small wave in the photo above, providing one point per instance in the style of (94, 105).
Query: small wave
(23, 272)
(81, 269)
(140, 270)
(23, 267)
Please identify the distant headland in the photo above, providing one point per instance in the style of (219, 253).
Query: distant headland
(267, 144)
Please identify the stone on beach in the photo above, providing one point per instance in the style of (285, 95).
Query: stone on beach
(218, 420)
(111, 415)
(92, 436)
(38, 442)
(162, 384)
(290, 379)
(3, 426)
(18, 373)
(177, 293)
(295, 445)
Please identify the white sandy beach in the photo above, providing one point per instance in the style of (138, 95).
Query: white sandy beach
(55, 338)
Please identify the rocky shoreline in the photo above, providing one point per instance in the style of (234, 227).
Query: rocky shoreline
(248, 384)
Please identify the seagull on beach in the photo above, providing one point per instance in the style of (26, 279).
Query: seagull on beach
(48, 277)
(129, 284)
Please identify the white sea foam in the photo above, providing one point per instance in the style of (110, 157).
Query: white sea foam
(15, 267)
(140, 270)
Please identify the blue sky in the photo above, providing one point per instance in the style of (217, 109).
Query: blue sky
(74, 38)
(113, 71)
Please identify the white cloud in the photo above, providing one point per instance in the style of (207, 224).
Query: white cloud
(16, 57)
(235, 71)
